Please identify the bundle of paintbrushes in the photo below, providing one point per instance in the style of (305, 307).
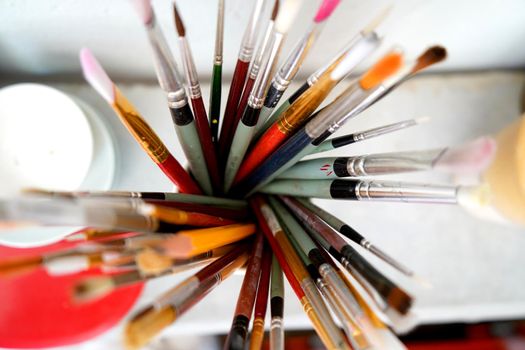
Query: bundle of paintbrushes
(245, 199)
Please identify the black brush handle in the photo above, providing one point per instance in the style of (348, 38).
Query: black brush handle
(298, 93)
(273, 97)
(343, 140)
(250, 116)
(182, 116)
(344, 189)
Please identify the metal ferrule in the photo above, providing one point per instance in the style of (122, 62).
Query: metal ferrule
(269, 62)
(178, 294)
(383, 130)
(378, 300)
(332, 278)
(219, 37)
(403, 192)
(177, 99)
(385, 257)
(391, 163)
(261, 50)
(250, 34)
(292, 64)
(349, 104)
(165, 66)
(194, 89)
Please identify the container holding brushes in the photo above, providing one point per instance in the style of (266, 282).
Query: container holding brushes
(249, 209)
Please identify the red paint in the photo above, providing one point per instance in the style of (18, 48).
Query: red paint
(176, 173)
(37, 311)
(236, 87)
(208, 148)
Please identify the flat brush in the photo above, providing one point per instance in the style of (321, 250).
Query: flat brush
(171, 305)
(347, 105)
(297, 275)
(171, 82)
(349, 139)
(194, 91)
(353, 235)
(276, 306)
(239, 78)
(263, 50)
(352, 45)
(188, 243)
(261, 301)
(216, 77)
(136, 125)
(293, 62)
(470, 158)
(246, 127)
(390, 293)
(236, 338)
(326, 278)
(296, 115)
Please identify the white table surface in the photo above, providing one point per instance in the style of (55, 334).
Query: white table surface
(475, 267)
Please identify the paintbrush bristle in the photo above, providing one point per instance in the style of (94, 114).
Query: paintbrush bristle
(151, 262)
(374, 23)
(399, 300)
(287, 14)
(178, 247)
(325, 10)
(470, 158)
(179, 24)
(96, 76)
(383, 69)
(423, 120)
(146, 325)
(144, 10)
(93, 288)
(433, 55)
(275, 10)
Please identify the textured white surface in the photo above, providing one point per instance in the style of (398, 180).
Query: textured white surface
(44, 37)
(474, 266)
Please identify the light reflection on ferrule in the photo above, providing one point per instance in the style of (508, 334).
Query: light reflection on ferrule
(255, 102)
(246, 54)
(194, 91)
(280, 83)
(217, 60)
(177, 99)
(356, 166)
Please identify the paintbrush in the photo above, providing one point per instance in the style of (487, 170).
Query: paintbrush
(328, 281)
(246, 127)
(136, 125)
(236, 338)
(359, 136)
(188, 243)
(359, 96)
(296, 273)
(355, 236)
(171, 305)
(297, 114)
(293, 62)
(314, 78)
(239, 77)
(263, 50)
(276, 307)
(470, 158)
(194, 91)
(379, 285)
(216, 77)
(261, 301)
(171, 82)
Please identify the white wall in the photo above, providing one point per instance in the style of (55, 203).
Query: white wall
(43, 37)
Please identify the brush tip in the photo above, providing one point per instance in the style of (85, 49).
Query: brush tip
(431, 56)
(383, 69)
(470, 158)
(325, 10)
(287, 14)
(144, 10)
(151, 262)
(423, 120)
(378, 19)
(92, 288)
(145, 325)
(178, 247)
(275, 10)
(400, 300)
(96, 75)
(179, 24)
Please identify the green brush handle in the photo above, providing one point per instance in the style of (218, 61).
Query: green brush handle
(215, 100)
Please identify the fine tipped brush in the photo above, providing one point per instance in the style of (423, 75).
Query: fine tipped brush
(194, 91)
(293, 62)
(390, 293)
(136, 125)
(216, 77)
(348, 139)
(470, 158)
(246, 127)
(238, 80)
(171, 82)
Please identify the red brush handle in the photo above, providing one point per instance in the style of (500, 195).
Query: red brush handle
(176, 173)
(236, 87)
(208, 148)
(198, 219)
(268, 143)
